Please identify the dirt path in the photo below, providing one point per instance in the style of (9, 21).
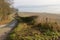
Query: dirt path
(6, 29)
(4, 32)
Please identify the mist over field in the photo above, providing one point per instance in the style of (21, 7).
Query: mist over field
(50, 6)
(42, 8)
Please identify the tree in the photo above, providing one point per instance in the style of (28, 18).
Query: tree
(5, 8)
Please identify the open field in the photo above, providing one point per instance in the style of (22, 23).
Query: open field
(42, 16)
(45, 27)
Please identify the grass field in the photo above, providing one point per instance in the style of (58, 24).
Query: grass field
(43, 29)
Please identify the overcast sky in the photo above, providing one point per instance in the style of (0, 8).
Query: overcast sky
(48, 5)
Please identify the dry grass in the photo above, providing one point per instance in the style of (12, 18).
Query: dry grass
(7, 20)
(4, 21)
(42, 16)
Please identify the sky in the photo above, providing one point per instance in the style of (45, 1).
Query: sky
(52, 6)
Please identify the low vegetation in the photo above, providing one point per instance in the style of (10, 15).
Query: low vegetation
(40, 31)
(6, 10)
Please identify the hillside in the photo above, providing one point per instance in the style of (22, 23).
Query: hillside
(44, 27)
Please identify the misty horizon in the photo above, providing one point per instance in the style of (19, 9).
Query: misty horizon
(42, 8)
(50, 6)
